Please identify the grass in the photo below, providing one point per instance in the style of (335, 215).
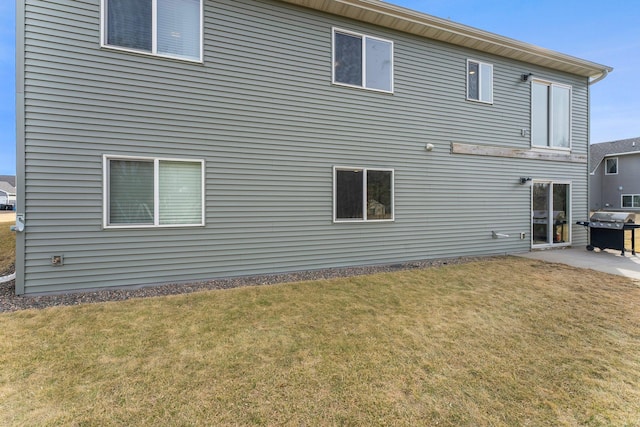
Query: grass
(7, 242)
(503, 342)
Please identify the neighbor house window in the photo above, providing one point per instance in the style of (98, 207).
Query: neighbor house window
(153, 192)
(362, 61)
(631, 200)
(611, 166)
(550, 115)
(479, 81)
(161, 27)
(362, 194)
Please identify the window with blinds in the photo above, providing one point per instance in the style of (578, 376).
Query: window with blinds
(153, 192)
(160, 27)
(550, 115)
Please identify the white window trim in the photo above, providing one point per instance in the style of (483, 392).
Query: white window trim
(154, 35)
(568, 218)
(364, 195)
(364, 60)
(606, 169)
(156, 191)
(622, 206)
(480, 63)
(550, 117)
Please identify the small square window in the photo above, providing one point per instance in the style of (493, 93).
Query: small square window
(479, 81)
(362, 61)
(362, 194)
(611, 166)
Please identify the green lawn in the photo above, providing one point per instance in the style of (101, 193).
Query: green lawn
(502, 342)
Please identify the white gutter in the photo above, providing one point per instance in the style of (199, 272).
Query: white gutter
(604, 74)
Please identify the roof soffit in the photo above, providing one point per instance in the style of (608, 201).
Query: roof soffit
(406, 20)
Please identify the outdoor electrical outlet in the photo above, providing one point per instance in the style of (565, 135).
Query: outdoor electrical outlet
(521, 236)
(57, 260)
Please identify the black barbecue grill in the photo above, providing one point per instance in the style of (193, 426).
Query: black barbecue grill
(607, 230)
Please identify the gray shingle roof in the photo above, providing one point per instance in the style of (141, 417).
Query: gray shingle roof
(11, 179)
(7, 188)
(604, 149)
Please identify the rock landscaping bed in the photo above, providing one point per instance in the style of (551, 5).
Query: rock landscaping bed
(9, 301)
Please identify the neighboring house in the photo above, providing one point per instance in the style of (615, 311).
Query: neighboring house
(7, 191)
(187, 140)
(615, 176)
(9, 179)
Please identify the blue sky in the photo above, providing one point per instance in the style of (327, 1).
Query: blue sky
(600, 31)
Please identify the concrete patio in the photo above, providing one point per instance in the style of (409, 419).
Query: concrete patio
(607, 261)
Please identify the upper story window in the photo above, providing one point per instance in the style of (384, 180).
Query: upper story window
(362, 61)
(153, 192)
(611, 166)
(479, 81)
(550, 115)
(171, 28)
(361, 194)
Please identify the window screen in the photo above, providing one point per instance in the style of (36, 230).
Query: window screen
(131, 192)
(363, 194)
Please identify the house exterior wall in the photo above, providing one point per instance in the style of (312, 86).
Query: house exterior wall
(605, 189)
(595, 190)
(263, 114)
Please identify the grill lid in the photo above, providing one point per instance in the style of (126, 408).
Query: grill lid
(612, 217)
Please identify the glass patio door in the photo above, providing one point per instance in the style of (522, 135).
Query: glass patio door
(551, 220)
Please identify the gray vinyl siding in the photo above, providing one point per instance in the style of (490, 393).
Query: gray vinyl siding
(263, 114)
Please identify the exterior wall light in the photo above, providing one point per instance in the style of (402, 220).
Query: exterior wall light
(524, 179)
(525, 77)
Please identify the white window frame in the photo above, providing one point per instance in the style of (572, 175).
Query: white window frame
(633, 196)
(154, 35)
(550, 115)
(606, 168)
(568, 218)
(156, 191)
(364, 38)
(482, 97)
(364, 195)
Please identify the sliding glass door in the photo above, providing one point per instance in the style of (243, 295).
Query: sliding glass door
(551, 216)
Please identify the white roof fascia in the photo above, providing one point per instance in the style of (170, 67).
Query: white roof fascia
(409, 21)
(621, 154)
(612, 155)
